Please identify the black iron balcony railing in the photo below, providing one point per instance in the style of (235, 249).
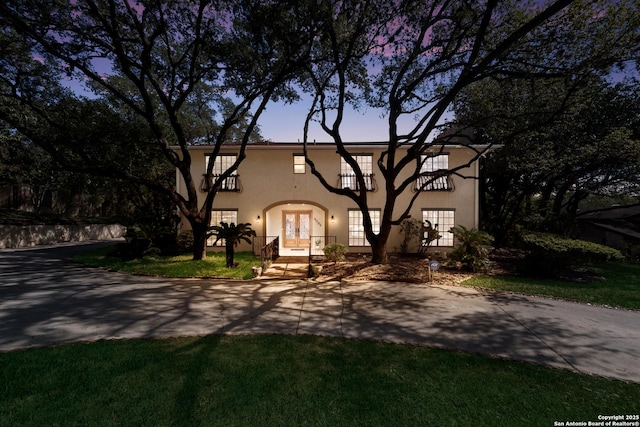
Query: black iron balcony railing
(231, 183)
(350, 181)
(434, 182)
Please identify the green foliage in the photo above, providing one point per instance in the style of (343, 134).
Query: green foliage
(633, 252)
(232, 235)
(417, 234)
(184, 241)
(562, 141)
(472, 251)
(335, 252)
(149, 236)
(548, 253)
(181, 61)
(411, 229)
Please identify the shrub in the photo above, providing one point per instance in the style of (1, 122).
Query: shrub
(147, 239)
(548, 253)
(411, 229)
(184, 242)
(429, 235)
(632, 252)
(417, 233)
(138, 242)
(473, 251)
(335, 252)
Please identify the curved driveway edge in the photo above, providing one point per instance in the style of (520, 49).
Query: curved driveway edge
(45, 299)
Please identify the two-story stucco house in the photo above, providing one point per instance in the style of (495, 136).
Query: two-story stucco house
(275, 191)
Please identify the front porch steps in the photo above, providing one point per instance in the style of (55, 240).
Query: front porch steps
(288, 267)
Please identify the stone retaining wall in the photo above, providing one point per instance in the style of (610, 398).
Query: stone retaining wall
(14, 236)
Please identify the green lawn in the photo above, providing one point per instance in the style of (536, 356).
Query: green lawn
(621, 287)
(174, 266)
(291, 380)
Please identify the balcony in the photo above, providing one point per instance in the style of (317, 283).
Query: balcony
(231, 183)
(350, 181)
(434, 182)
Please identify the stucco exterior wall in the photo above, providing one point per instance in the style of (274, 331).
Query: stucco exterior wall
(270, 186)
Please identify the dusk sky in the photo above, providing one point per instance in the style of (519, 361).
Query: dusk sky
(284, 123)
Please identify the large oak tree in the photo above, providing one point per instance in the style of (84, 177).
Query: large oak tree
(411, 59)
(170, 64)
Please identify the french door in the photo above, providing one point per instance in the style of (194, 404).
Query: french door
(297, 229)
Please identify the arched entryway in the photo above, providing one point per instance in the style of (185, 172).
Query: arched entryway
(300, 224)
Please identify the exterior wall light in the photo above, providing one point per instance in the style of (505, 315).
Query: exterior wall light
(333, 220)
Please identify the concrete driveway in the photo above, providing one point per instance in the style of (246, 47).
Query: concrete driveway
(45, 299)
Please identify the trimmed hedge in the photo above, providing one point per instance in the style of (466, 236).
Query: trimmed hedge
(547, 253)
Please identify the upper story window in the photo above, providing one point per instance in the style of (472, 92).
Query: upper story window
(431, 174)
(349, 179)
(221, 164)
(299, 164)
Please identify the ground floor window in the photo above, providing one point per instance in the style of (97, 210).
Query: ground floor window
(222, 215)
(356, 226)
(442, 220)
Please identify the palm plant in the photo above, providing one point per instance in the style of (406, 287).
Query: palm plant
(232, 235)
(473, 250)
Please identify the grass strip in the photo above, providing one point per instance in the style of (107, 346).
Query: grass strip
(173, 266)
(287, 380)
(620, 287)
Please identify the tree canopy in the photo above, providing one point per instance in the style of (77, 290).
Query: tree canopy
(412, 59)
(170, 65)
(587, 143)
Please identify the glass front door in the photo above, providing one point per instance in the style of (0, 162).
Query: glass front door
(297, 229)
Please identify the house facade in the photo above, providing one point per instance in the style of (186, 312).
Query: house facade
(275, 191)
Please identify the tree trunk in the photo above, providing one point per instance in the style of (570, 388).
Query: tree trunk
(379, 241)
(199, 240)
(229, 254)
(379, 252)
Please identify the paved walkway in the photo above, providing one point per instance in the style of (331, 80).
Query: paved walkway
(45, 300)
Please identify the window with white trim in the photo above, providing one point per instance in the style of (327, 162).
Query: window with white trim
(429, 181)
(299, 164)
(221, 215)
(357, 235)
(442, 220)
(348, 178)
